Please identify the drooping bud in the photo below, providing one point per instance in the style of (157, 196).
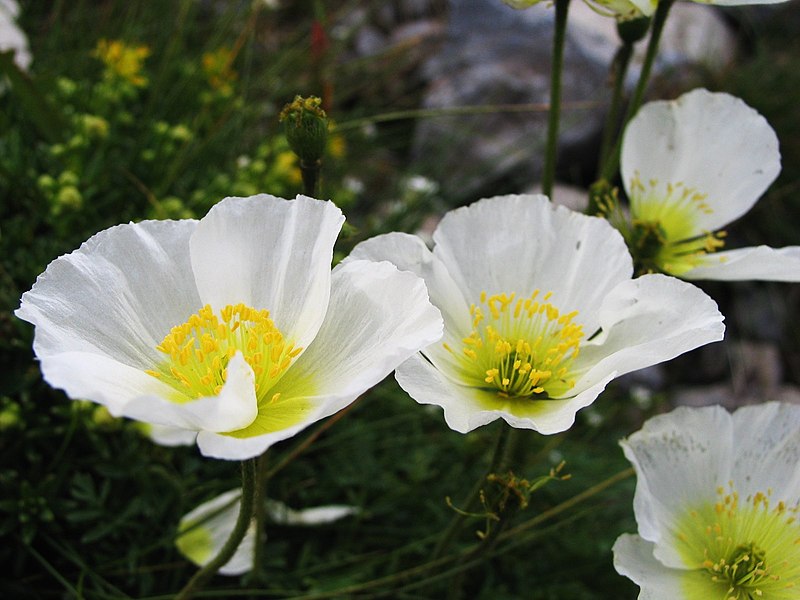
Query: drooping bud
(631, 31)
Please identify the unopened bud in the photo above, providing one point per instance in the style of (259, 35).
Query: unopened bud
(306, 126)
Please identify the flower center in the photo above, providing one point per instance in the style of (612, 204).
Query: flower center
(521, 347)
(749, 549)
(198, 351)
(663, 235)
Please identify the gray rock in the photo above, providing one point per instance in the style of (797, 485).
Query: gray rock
(495, 55)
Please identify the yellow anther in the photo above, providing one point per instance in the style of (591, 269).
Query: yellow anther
(199, 350)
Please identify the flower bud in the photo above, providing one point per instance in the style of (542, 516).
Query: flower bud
(306, 127)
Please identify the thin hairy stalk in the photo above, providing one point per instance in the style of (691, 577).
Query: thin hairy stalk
(259, 515)
(237, 535)
(553, 118)
(458, 519)
(622, 60)
(659, 19)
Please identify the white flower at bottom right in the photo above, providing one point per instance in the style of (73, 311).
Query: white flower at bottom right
(717, 503)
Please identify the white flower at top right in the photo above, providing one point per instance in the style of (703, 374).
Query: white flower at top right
(690, 167)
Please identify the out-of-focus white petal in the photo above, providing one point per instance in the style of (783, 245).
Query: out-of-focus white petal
(12, 37)
(756, 262)
(524, 243)
(203, 532)
(710, 142)
(235, 407)
(117, 295)
(646, 321)
(269, 254)
(169, 436)
(281, 514)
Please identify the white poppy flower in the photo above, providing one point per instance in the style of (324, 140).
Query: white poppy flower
(690, 167)
(232, 327)
(203, 531)
(717, 502)
(540, 313)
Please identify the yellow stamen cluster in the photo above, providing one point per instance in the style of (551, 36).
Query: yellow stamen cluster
(663, 234)
(198, 351)
(522, 347)
(751, 549)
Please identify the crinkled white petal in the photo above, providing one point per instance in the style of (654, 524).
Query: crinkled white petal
(633, 558)
(203, 532)
(712, 142)
(680, 459)
(409, 253)
(118, 295)
(757, 262)
(235, 407)
(269, 254)
(377, 318)
(467, 408)
(767, 435)
(281, 514)
(646, 321)
(524, 243)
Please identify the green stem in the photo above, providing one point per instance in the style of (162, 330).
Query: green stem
(310, 173)
(259, 515)
(397, 580)
(551, 149)
(659, 19)
(237, 535)
(620, 69)
(458, 520)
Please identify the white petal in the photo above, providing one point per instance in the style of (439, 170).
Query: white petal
(117, 295)
(203, 532)
(633, 558)
(170, 436)
(95, 377)
(409, 253)
(679, 465)
(280, 421)
(269, 253)
(757, 262)
(523, 243)
(646, 321)
(767, 434)
(377, 317)
(234, 408)
(467, 408)
(281, 514)
(712, 142)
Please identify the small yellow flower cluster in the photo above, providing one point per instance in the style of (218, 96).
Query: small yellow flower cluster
(123, 61)
(218, 70)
